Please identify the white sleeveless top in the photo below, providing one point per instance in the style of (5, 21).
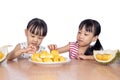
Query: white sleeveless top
(27, 55)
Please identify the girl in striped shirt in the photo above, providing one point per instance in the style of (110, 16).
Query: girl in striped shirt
(88, 32)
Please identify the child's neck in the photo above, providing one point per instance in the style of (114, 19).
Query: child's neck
(82, 49)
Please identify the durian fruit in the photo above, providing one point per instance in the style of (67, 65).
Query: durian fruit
(106, 56)
(45, 56)
(4, 52)
(2, 56)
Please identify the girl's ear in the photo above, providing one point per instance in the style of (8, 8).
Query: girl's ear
(95, 38)
(25, 32)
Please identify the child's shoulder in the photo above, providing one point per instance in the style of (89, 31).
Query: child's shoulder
(42, 47)
(23, 45)
(73, 43)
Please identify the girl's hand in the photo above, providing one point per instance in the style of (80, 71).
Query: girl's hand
(30, 49)
(81, 57)
(18, 51)
(52, 47)
(84, 57)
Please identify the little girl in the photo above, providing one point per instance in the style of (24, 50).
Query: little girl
(35, 32)
(88, 32)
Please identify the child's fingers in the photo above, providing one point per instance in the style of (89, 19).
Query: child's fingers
(30, 50)
(79, 57)
(55, 46)
(32, 47)
(52, 47)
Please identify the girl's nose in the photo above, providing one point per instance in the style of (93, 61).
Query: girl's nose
(81, 36)
(35, 39)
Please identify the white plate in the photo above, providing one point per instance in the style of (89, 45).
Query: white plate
(67, 60)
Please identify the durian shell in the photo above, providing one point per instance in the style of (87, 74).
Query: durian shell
(117, 57)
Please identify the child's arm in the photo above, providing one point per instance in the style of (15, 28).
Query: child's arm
(14, 53)
(85, 57)
(64, 49)
(61, 49)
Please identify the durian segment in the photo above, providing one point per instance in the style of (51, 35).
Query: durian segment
(4, 52)
(2, 56)
(55, 52)
(36, 57)
(62, 59)
(106, 56)
(47, 60)
(44, 56)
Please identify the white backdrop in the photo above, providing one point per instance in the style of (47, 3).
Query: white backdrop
(62, 17)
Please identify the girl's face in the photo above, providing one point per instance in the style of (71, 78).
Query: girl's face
(32, 39)
(85, 38)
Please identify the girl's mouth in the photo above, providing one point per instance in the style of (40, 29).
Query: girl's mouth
(34, 44)
(80, 40)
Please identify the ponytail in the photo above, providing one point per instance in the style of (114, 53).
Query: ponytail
(96, 46)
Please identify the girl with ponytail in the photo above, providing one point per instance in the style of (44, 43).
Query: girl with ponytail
(88, 32)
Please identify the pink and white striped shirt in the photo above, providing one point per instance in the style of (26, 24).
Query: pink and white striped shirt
(73, 52)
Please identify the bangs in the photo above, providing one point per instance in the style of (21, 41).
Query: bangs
(34, 29)
(88, 27)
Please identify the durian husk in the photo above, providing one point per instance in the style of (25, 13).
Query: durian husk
(117, 57)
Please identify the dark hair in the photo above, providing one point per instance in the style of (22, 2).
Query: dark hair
(92, 26)
(37, 26)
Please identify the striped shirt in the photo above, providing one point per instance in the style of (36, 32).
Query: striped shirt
(73, 52)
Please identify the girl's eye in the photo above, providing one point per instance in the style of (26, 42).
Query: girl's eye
(40, 38)
(32, 36)
(86, 34)
(79, 32)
